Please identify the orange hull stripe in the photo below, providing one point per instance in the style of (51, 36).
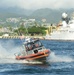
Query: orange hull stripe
(38, 53)
(37, 57)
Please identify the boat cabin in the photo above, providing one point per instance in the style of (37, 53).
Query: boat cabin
(33, 50)
(33, 47)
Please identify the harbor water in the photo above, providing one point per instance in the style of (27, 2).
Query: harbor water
(60, 62)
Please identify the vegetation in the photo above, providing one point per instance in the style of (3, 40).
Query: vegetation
(21, 30)
(37, 30)
(32, 30)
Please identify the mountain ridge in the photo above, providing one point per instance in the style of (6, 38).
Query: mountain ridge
(51, 15)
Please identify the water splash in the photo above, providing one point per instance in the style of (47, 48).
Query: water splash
(7, 51)
(59, 58)
(4, 53)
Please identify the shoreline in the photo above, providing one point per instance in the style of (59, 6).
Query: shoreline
(36, 37)
(20, 37)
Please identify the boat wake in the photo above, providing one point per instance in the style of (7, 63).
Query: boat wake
(51, 59)
(59, 58)
(7, 56)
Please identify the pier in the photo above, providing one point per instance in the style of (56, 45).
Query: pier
(20, 37)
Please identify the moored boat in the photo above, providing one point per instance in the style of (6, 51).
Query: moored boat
(64, 30)
(33, 50)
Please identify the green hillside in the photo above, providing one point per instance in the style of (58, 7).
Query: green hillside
(51, 15)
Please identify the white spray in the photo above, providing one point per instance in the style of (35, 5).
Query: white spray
(59, 58)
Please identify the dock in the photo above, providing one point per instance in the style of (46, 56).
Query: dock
(20, 37)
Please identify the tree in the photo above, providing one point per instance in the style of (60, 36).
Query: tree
(37, 30)
(21, 30)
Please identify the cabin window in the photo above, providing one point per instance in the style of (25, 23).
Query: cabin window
(29, 46)
(33, 45)
(38, 44)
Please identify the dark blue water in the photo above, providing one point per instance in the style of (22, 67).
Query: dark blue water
(60, 62)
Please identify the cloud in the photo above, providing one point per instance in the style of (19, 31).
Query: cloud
(37, 4)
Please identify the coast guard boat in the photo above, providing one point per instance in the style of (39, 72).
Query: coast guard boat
(65, 30)
(33, 50)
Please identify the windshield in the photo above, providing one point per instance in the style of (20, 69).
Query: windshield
(33, 45)
(37, 43)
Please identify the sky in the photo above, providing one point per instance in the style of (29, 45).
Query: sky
(37, 4)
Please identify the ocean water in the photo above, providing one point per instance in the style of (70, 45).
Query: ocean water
(60, 62)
